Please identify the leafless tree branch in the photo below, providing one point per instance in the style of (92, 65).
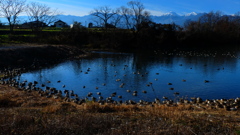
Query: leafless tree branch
(10, 9)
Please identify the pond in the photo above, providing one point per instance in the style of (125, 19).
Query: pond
(153, 74)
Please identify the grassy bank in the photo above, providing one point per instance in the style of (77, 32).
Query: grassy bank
(28, 113)
(34, 55)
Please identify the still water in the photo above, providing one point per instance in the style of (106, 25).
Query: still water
(205, 74)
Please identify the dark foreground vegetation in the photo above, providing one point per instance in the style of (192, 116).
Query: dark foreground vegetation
(211, 30)
(32, 56)
(25, 112)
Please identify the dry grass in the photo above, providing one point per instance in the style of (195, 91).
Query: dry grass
(27, 113)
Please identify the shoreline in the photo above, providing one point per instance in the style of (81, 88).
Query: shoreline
(46, 55)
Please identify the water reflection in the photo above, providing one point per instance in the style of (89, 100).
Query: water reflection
(151, 72)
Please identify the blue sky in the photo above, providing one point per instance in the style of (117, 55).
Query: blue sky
(156, 7)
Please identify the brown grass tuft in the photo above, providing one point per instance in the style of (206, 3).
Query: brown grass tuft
(28, 113)
(60, 108)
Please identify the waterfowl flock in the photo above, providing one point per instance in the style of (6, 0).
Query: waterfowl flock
(13, 78)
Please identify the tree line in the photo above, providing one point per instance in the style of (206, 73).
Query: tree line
(210, 30)
(213, 29)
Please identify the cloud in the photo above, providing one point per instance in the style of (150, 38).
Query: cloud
(155, 12)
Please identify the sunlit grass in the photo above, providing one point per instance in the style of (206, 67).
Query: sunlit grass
(28, 113)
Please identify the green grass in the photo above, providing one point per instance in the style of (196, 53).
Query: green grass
(24, 29)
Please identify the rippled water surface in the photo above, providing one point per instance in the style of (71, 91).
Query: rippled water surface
(205, 74)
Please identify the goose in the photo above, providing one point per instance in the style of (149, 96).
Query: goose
(35, 82)
(93, 99)
(141, 101)
(66, 91)
(131, 102)
(157, 100)
(89, 94)
(165, 97)
(30, 84)
(59, 91)
(113, 94)
(100, 97)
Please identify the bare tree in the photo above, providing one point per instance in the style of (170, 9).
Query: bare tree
(103, 13)
(209, 20)
(41, 14)
(138, 13)
(126, 15)
(116, 18)
(10, 9)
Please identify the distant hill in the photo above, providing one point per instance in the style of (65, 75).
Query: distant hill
(173, 17)
(167, 18)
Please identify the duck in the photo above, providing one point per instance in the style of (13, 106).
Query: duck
(176, 93)
(134, 94)
(206, 81)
